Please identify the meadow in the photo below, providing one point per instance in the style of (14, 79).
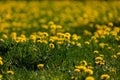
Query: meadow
(59, 40)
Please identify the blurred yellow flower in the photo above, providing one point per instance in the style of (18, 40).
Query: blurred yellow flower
(89, 71)
(0, 58)
(89, 67)
(87, 42)
(13, 35)
(1, 62)
(53, 26)
(50, 22)
(4, 36)
(77, 70)
(113, 70)
(68, 34)
(105, 77)
(102, 45)
(34, 49)
(59, 27)
(51, 45)
(72, 42)
(114, 56)
(1, 76)
(110, 24)
(89, 78)
(33, 37)
(83, 62)
(40, 65)
(99, 62)
(10, 72)
(96, 52)
(86, 32)
(45, 41)
(73, 78)
(101, 55)
(118, 46)
(82, 68)
(75, 37)
(99, 58)
(78, 44)
(118, 53)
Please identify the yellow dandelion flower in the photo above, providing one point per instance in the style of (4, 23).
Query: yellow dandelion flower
(82, 68)
(102, 55)
(60, 35)
(23, 36)
(113, 70)
(114, 33)
(10, 72)
(45, 41)
(60, 42)
(86, 32)
(39, 41)
(87, 42)
(51, 45)
(1, 40)
(45, 34)
(74, 78)
(89, 67)
(110, 24)
(102, 45)
(59, 27)
(1, 76)
(89, 78)
(118, 46)
(114, 56)
(97, 62)
(72, 42)
(50, 22)
(96, 41)
(99, 58)
(53, 26)
(51, 40)
(89, 71)
(40, 65)
(4, 36)
(44, 26)
(102, 36)
(1, 62)
(84, 63)
(33, 37)
(96, 52)
(118, 54)
(13, 35)
(66, 37)
(19, 39)
(109, 48)
(116, 29)
(77, 70)
(78, 44)
(75, 37)
(102, 62)
(0, 58)
(105, 76)
(34, 49)
(67, 34)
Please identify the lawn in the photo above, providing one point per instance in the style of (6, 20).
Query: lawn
(59, 40)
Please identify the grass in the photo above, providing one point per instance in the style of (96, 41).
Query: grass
(59, 40)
